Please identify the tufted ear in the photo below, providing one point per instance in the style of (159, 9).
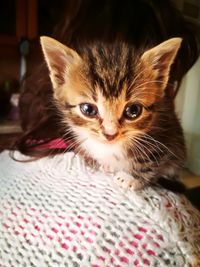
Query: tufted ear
(59, 58)
(158, 60)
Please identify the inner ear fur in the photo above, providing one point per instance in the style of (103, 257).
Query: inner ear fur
(158, 60)
(59, 58)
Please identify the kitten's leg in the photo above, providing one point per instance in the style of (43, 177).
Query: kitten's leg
(127, 181)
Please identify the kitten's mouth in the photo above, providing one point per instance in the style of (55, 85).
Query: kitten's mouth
(110, 140)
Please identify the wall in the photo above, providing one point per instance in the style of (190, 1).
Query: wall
(188, 109)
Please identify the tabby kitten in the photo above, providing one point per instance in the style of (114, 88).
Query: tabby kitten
(114, 102)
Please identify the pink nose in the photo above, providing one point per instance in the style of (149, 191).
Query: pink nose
(110, 137)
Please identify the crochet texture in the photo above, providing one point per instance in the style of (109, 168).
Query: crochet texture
(57, 212)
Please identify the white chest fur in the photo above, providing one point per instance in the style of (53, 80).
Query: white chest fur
(110, 156)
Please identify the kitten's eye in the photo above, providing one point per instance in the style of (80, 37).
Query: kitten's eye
(89, 110)
(132, 111)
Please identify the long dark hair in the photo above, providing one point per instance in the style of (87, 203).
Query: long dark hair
(140, 22)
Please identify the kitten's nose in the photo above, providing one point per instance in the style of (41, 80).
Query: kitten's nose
(110, 137)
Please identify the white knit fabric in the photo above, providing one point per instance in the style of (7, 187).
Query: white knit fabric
(57, 212)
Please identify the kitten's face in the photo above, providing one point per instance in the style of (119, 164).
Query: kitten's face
(108, 120)
(109, 96)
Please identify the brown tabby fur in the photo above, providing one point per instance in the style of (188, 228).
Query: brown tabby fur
(111, 76)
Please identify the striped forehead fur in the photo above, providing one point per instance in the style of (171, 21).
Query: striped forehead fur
(110, 67)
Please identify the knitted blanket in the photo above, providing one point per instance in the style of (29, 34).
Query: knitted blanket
(57, 212)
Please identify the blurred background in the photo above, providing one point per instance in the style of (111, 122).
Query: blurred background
(21, 24)
(188, 99)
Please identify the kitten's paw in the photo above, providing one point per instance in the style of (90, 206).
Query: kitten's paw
(127, 181)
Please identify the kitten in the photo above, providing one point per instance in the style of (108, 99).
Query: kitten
(114, 102)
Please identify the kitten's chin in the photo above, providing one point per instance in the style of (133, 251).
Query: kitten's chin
(110, 154)
(102, 147)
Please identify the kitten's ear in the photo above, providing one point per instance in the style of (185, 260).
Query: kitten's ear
(59, 59)
(158, 60)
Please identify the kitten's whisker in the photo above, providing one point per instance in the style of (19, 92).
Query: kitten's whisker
(68, 138)
(164, 146)
(79, 149)
(69, 135)
(153, 140)
(139, 147)
(70, 147)
(151, 152)
(149, 143)
(139, 154)
(134, 155)
(68, 130)
(73, 145)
